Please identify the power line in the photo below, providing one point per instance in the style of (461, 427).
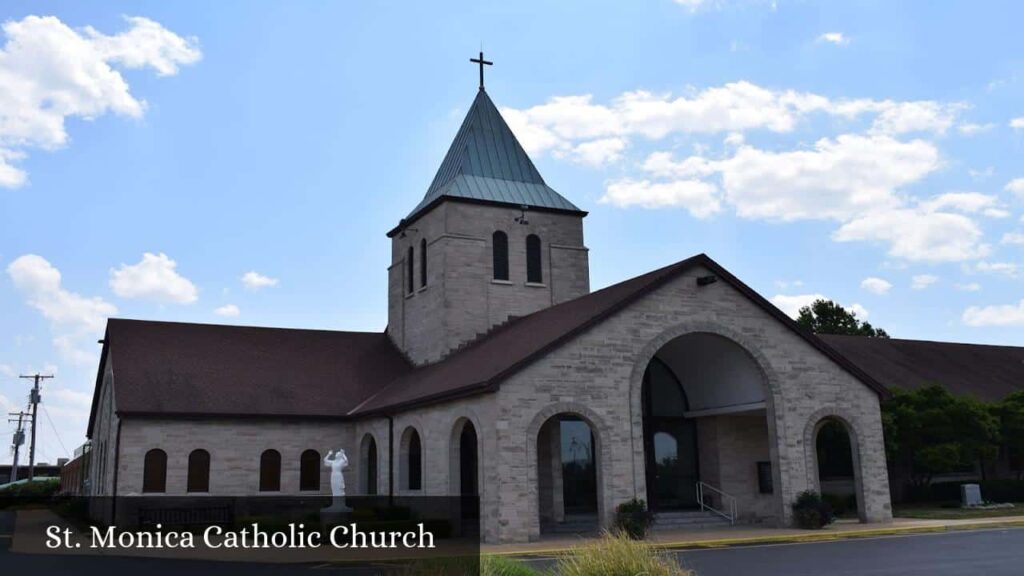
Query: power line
(34, 399)
(55, 433)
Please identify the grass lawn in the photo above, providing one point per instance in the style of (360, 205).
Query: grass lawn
(934, 511)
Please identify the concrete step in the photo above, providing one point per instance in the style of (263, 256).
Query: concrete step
(688, 519)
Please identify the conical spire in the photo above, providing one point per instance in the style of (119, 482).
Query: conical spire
(486, 163)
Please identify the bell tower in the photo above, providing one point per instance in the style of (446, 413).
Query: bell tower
(490, 241)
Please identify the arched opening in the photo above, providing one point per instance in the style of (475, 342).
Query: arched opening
(154, 471)
(464, 457)
(368, 465)
(837, 480)
(198, 471)
(270, 471)
(423, 262)
(412, 460)
(309, 471)
(567, 464)
(534, 269)
(499, 253)
(706, 434)
(410, 277)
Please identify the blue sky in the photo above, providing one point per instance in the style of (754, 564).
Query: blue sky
(154, 153)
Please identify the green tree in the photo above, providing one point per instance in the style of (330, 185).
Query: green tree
(1011, 420)
(936, 432)
(827, 317)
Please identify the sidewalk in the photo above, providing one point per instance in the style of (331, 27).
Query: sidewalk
(752, 535)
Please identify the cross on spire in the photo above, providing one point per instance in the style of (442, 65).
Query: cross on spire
(482, 63)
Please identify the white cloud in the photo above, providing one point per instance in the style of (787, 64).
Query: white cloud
(836, 38)
(1017, 123)
(968, 287)
(600, 152)
(154, 278)
(1015, 186)
(1000, 315)
(73, 318)
(700, 198)
(922, 281)
(917, 235)
(1001, 268)
(7, 371)
(732, 107)
(791, 305)
(876, 285)
(70, 397)
(972, 129)
(969, 202)
(228, 311)
(784, 284)
(1014, 238)
(50, 72)
(692, 5)
(254, 280)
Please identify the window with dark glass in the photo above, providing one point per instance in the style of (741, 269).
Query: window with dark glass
(499, 248)
(409, 278)
(533, 260)
(199, 471)
(270, 471)
(309, 470)
(415, 462)
(764, 477)
(154, 471)
(371, 467)
(423, 262)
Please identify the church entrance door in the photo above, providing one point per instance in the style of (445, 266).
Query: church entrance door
(670, 441)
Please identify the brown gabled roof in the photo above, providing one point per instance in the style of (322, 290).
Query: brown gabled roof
(176, 369)
(179, 369)
(484, 364)
(986, 372)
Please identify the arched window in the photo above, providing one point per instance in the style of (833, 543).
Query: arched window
(423, 262)
(270, 471)
(499, 248)
(309, 471)
(413, 453)
(199, 471)
(409, 279)
(154, 471)
(369, 464)
(533, 267)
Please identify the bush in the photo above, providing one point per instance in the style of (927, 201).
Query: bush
(502, 566)
(842, 504)
(991, 490)
(619, 556)
(633, 519)
(35, 492)
(811, 511)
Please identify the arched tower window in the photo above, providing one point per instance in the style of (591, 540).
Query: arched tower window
(499, 247)
(533, 260)
(270, 471)
(409, 278)
(412, 453)
(423, 262)
(309, 471)
(154, 471)
(199, 471)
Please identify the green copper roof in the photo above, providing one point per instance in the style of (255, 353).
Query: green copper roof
(487, 163)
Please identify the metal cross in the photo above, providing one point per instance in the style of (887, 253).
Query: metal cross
(482, 63)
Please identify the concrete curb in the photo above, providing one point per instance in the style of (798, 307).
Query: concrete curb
(791, 538)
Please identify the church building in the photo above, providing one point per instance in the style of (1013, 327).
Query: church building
(499, 374)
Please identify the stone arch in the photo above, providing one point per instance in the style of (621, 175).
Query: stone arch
(454, 454)
(410, 443)
(773, 397)
(604, 459)
(811, 429)
(366, 462)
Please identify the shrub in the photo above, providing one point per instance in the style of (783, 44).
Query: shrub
(842, 504)
(633, 519)
(35, 492)
(991, 490)
(619, 556)
(502, 566)
(811, 511)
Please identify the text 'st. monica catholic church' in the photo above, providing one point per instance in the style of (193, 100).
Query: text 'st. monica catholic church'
(499, 374)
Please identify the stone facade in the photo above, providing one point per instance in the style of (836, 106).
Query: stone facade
(461, 300)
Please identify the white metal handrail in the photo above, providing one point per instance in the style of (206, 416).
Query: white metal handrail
(728, 502)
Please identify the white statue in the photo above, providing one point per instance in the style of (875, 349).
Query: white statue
(337, 461)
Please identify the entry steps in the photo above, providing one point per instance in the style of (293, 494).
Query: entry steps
(688, 519)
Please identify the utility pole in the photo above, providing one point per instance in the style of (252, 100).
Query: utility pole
(34, 398)
(19, 439)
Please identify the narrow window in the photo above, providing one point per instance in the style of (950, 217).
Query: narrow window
(415, 462)
(199, 471)
(270, 471)
(499, 246)
(409, 279)
(533, 268)
(764, 478)
(423, 262)
(154, 471)
(309, 471)
(371, 466)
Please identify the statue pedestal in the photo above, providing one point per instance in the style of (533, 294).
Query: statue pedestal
(336, 513)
